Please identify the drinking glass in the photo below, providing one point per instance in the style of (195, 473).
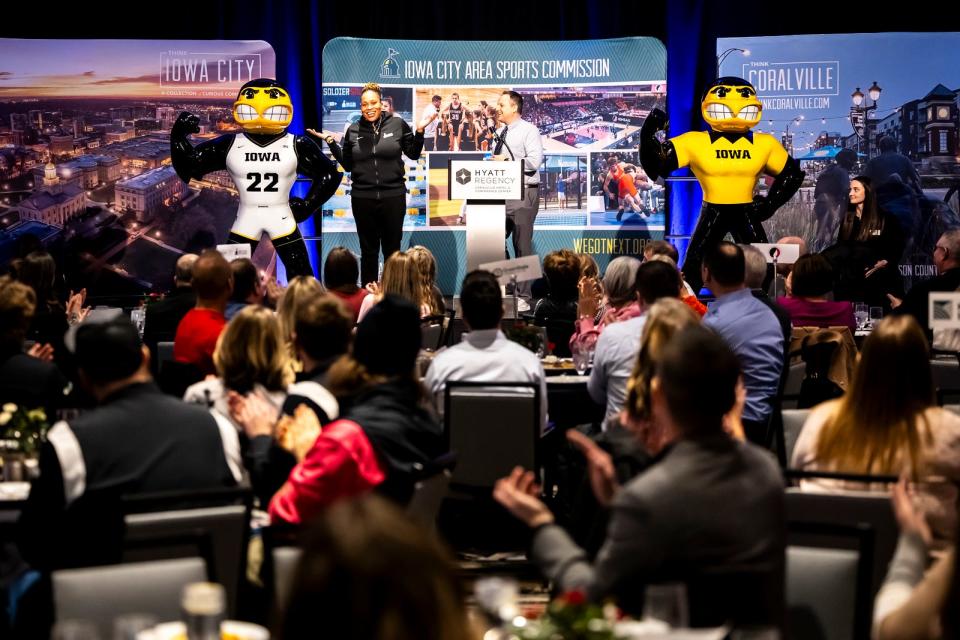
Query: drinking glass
(861, 313)
(581, 359)
(876, 315)
(666, 603)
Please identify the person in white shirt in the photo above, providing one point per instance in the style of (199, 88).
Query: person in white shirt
(430, 131)
(485, 354)
(520, 140)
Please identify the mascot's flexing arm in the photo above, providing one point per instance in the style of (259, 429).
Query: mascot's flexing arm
(264, 162)
(727, 160)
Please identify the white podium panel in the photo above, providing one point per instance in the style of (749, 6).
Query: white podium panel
(485, 185)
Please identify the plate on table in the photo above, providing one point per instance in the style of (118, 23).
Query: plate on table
(229, 630)
(568, 379)
(14, 490)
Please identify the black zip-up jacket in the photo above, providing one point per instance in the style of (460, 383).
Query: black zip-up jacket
(374, 160)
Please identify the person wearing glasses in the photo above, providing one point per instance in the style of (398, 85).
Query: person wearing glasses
(946, 257)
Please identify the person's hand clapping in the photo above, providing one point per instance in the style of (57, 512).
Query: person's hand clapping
(732, 421)
(298, 432)
(373, 288)
(909, 518)
(517, 493)
(589, 302)
(76, 312)
(255, 414)
(603, 477)
(41, 352)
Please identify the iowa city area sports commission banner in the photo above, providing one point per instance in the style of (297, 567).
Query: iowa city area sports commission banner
(588, 98)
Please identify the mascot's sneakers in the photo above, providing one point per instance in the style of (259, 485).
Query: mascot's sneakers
(619, 215)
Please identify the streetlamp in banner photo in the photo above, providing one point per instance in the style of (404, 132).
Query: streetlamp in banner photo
(723, 56)
(787, 139)
(860, 114)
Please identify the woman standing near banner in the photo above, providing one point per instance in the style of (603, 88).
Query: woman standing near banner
(867, 254)
(372, 150)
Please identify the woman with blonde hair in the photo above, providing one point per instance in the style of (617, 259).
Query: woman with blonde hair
(251, 355)
(888, 424)
(427, 268)
(665, 318)
(401, 277)
(299, 290)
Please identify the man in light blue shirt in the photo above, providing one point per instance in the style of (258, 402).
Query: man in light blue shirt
(485, 354)
(616, 352)
(520, 140)
(750, 328)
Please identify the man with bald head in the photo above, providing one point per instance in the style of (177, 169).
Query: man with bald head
(164, 315)
(197, 333)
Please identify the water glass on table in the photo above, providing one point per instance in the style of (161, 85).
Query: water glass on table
(667, 603)
(876, 315)
(581, 358)
(861, 313)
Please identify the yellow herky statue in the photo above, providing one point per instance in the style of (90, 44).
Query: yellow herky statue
(727, 159)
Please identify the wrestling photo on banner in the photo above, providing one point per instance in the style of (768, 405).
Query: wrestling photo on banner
(621, 194)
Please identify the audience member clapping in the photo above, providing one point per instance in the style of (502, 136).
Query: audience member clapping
(250, 356)
(615, 300)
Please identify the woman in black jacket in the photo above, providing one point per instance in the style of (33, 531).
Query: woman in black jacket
(372, 150)
(867, 254)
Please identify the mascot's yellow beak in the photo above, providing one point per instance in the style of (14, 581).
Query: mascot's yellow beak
(731, 104)
(263, 106)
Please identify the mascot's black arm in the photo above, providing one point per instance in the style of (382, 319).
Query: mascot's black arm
(785, 184)
(657, 158)
(322, 173)
(196, 162)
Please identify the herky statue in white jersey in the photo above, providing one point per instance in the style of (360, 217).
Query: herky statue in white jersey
(264, 162)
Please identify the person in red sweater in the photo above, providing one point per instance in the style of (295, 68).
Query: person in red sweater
(809, 286)
(197, 333)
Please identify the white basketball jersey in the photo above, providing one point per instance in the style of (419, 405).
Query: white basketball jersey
(264, 176)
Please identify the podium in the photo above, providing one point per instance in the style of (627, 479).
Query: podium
(486, 186)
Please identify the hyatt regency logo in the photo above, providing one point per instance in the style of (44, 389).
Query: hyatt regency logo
(463, 176)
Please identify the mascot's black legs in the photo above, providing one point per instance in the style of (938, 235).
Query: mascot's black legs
(714, 223)
(290, 248)
(293, 252)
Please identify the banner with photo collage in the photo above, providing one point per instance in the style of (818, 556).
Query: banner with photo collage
(588, 98)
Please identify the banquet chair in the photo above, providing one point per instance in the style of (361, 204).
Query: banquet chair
(101, 594)
(849, 509)
(492, 428)
(828, 585)
(222, 515)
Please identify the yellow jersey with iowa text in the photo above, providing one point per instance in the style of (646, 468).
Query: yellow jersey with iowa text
(727, 164)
